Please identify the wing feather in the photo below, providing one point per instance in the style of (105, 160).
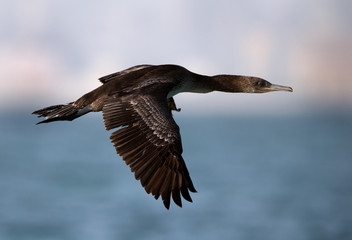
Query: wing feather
(112, 76)
(149, 141)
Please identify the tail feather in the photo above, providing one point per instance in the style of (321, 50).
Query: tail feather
(63, 112)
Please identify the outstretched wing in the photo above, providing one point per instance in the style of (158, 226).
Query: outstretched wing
(149, 142)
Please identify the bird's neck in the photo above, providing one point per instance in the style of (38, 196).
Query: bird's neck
(223, 83)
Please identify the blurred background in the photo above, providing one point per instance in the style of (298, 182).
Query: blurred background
(266, 166)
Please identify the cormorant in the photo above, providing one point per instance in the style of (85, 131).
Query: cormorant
(138, 101)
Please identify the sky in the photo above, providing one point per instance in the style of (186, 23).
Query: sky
(53, 52)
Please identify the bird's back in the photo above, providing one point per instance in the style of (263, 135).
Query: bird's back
(139, 79)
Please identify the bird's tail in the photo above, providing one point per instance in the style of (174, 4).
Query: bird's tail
(63, 112)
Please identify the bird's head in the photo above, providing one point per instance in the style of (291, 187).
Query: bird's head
(258, 85)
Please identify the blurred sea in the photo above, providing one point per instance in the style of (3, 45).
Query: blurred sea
(286, 177)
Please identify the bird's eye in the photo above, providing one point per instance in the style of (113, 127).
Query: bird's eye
(261, 84)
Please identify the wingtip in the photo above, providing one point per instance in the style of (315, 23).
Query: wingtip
(191, 187)
(177, 197)
(45, 121)
(167, 203)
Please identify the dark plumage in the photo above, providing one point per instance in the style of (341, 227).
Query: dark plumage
(139, 102)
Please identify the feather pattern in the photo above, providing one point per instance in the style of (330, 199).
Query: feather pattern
(149, 141)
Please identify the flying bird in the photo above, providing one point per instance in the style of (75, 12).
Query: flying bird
(138, 103)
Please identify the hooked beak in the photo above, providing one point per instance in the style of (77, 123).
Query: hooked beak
(275, 87)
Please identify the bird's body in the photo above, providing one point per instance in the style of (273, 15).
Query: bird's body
(139, 101)
(141, 79)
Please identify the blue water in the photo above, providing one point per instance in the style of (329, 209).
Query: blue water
(257, 178)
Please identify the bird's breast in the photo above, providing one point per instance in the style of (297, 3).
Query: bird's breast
(177, 89)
